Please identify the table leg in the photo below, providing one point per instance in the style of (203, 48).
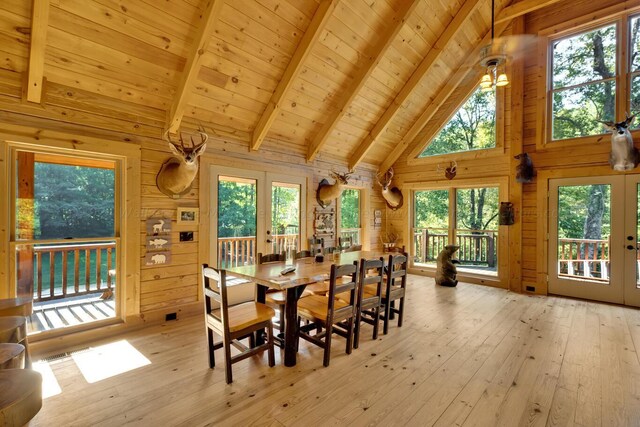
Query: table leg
(261, 296)
(291, 325)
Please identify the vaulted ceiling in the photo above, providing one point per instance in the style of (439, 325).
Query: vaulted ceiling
(353, 80)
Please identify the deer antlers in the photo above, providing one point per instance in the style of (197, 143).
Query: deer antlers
(388, 176)
(203, 136)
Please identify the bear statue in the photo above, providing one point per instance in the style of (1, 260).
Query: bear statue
(446, 270)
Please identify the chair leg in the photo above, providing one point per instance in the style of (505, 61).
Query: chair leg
(376, 322)
(387, 313)
(327, 345)
(282, 319)
(227, 362)
(356, 329)
(392, 312)
(212, 359)
(350, 332)
(270, 352)
(401, 312)
(252, 339)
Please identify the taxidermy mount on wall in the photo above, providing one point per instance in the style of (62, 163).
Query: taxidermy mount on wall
(176, 174)
(624, 156)
(327, 192)
(391, 195)
(524, 171)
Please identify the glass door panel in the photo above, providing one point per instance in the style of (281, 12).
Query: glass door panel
(476, 230)
(285, 217)
(585, 241)
(237, 220)
(631, 245)
(431, 225)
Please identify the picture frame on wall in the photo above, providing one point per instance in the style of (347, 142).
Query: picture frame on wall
(188, 216)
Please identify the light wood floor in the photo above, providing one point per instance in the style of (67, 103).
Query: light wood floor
(471, 355)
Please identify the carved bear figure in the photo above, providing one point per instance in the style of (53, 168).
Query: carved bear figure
(446, 270)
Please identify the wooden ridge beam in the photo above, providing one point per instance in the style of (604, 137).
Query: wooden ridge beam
(423, 68)
(316, 27)
(522, 8)
(39, 25)
(441, 97)
(361, 77)
(192, 65)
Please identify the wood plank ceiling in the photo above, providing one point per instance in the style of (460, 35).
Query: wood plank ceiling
(348, 80)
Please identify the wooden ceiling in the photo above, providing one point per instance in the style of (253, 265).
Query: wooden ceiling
(351, 80)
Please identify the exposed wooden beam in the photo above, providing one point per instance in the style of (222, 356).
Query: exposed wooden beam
(441, 97)
(522, 8)
(315, 29)
(438, 48)
(194, 60)
(361, 77)
(39, 25)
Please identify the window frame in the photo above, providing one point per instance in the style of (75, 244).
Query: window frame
(581, 25)
(433, 131)
(502, 183)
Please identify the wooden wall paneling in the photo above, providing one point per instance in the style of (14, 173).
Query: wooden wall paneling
(367, 69)
(516, 147)
(434, 53)
(193, 63)
(38, 41)
(311, 35)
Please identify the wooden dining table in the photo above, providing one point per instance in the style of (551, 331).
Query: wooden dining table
(308, 271)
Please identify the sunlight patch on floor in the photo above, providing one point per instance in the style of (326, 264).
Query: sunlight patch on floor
(109, 360)
(50, 386)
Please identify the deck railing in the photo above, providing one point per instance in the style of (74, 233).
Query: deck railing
(584, 258)
(62, 271)
(237, 251)
(477, 247)
(351, 233)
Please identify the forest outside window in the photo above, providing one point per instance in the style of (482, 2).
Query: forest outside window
(472, 127)
(350, 227)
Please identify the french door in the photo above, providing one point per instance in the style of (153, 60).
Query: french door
(255, 212)
(593, 238)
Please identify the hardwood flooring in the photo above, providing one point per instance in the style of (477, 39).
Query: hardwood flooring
(467, 356)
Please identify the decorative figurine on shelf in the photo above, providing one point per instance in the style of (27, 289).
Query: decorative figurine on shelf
(446, 270)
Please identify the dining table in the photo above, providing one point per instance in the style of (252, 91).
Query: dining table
(307, 271)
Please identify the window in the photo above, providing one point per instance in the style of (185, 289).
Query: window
(474, 227)
(472, 127)
(350, 215)
(593, 77)
(583, 83)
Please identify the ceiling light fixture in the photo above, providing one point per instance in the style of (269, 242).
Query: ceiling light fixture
(493, 59)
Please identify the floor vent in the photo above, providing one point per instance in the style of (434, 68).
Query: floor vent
(64, 355)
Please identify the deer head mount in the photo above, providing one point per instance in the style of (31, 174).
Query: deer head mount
(176, 174)
(624, 156)
(524, 171)
(392, 196)
(327, 192)
(451, 171)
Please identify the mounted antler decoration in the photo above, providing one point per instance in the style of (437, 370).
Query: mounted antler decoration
(451, 171)
(327, 192)
(393, 196)
(176, 174)
(624, 156)
(524, 171)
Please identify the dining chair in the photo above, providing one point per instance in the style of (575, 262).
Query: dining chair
(394, 289)
(369, 302)
(303, 254)
(234, 322)
(345, 242)
(316, 245)
(275, 298)
(325, 312)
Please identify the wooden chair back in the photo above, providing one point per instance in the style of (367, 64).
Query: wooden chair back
(316, 245)
(369, 305)
(345, 242)
(303, 254)
(215, 294)
(341, 272)
(267, 258)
